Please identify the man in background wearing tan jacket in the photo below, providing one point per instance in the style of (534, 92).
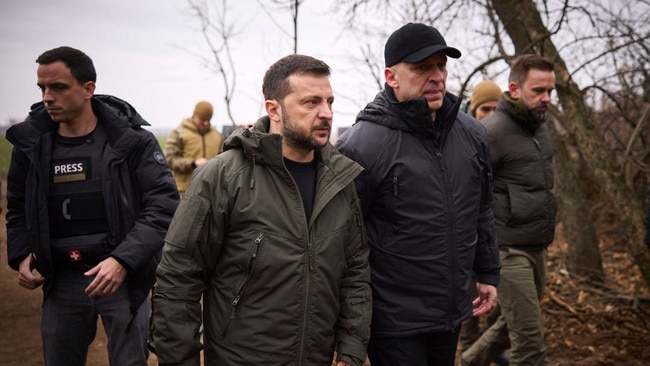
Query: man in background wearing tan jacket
(191, 144)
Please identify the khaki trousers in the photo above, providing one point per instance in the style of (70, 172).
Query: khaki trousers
(523, 276)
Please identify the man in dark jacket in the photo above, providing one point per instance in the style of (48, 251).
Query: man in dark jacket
(524, 209)
(89, 200)
(269, 235)
(427, 201)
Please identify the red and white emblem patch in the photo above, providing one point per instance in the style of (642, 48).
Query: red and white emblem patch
(74, 255)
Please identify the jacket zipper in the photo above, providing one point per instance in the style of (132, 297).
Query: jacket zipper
(252, 259)
(204, 153)
(546, 184)
(310, 267)
(451, 247)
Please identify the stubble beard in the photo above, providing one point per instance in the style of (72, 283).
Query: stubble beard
(538, 115)
(295, 139)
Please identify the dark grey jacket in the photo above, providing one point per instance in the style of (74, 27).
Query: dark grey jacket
(276, 289)
(426, 195)
(139, 193)
(522, 160)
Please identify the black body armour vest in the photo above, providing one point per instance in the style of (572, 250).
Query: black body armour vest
(76, 203)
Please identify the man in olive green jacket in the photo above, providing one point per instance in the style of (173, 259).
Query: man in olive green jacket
(269, 235)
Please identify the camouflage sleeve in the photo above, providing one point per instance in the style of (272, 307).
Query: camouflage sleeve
(174, 153)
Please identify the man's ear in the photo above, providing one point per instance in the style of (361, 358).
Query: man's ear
(514, 90)
(273, 109)
(89, 89)
(391, 77)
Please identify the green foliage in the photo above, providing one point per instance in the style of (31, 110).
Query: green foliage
(162, 140)
(5, 155)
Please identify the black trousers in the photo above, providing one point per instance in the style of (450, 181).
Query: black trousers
(431, 349)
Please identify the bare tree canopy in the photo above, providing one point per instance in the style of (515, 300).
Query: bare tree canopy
(601, 109)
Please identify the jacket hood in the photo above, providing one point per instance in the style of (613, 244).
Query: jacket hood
(121, 109)
(264, 148)
(39, 122)
(257, 143)
(411, 115)
(189, 124)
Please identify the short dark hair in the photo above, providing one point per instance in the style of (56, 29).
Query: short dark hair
(522, 64)
(80, 65)
(276, 84)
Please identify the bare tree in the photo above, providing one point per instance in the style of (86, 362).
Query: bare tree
(294, 7)
(586, 162)
(600, 163)
(217, 33)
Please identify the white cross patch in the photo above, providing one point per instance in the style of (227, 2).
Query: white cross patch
(74, 255)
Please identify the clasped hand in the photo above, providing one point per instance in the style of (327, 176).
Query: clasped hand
(108, 276)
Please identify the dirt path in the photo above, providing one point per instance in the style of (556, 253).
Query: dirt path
(20, 316)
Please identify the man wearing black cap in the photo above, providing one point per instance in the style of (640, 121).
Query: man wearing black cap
(427, 201)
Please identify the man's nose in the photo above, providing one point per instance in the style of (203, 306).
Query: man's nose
(47, 95)
(436, 75)
(325, 111)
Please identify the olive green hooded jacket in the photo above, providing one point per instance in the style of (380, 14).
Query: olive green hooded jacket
(275, 289)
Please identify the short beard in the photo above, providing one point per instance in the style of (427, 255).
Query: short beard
(293, 137)
(540, 117)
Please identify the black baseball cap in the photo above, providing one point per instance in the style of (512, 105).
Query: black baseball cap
(415, 42)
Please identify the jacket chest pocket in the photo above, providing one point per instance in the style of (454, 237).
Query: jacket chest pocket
(248, 274)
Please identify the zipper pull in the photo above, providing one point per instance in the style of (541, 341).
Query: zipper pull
(257, 245)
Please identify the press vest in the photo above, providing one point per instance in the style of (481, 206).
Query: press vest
(78, 224)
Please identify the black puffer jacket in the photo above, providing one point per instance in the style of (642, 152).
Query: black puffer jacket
(426, 195)
(522, 159)
(139, 192)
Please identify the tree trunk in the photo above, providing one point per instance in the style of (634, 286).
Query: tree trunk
(524, 25)
(583, 260)
(529, 35)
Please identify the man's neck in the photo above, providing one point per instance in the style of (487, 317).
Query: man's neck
(81, 126)
(300, 156)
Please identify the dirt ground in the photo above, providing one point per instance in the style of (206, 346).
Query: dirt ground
(20, 316)
(586, 325)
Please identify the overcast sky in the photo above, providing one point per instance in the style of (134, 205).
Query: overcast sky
(143, 51)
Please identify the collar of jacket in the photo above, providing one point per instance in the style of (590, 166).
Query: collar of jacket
(115, 115)
(267, 147)
(518, 111)
(257, 143)
(411, 115)
(188, 124)
(264, 148)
